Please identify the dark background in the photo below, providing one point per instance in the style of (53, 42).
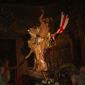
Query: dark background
(15, 15)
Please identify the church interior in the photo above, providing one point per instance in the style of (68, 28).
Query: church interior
(66, 51)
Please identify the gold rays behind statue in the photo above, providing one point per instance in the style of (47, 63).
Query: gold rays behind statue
(40, 39)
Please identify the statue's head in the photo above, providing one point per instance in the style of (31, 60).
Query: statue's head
(33, 31)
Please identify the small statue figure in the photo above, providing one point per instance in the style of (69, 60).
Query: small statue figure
(40, 40)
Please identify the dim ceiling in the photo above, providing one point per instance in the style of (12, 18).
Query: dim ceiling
(39, 2)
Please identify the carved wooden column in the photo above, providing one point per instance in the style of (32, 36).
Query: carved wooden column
(19, 58)
(82, 38)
